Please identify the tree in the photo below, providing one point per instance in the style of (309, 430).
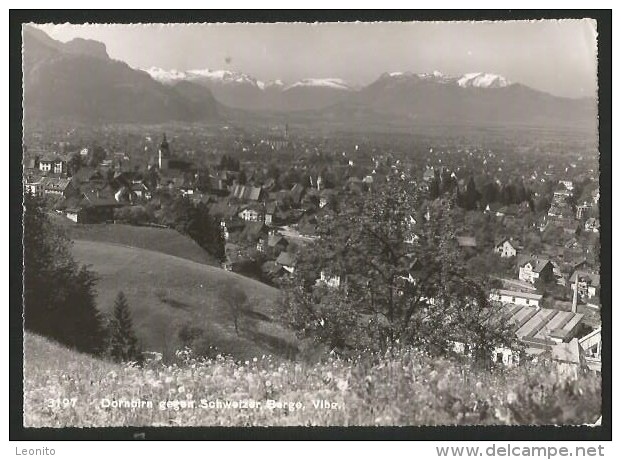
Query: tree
(490, 193)
(236, 303)
(395, 289)
(96, 154)
(123, 344)
(195, 222)
(74, 164)
(470, 197)
(59, 299)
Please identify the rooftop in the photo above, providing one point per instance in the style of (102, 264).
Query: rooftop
(537, 326)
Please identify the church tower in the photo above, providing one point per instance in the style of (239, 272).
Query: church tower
(164, 154)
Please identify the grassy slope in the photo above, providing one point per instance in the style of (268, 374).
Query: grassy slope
(163, 240)
(404, 388)
(165, 292)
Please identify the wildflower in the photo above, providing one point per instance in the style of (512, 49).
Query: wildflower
(254, 360)
(268, 383)
(181, 389)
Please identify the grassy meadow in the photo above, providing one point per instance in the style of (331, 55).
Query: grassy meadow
(65, 388)
(165, 293)
(164, 240)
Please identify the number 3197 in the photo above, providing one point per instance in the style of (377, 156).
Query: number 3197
(61, 403)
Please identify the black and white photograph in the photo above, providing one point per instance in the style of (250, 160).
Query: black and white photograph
(388, 223)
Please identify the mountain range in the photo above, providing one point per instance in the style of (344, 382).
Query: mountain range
(77, 80)
(242, 91)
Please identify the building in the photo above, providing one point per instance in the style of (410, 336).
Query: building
(33, 187)
(569, 358)
(297, 193)
(333, 281)
(140, 190)
(540, 330)
(506, 296)
(277, 142)
(270, 211)
(569, 185)
(561, 195)
(592, 225)
(582, 210)
(505, 248)
(251, 214)
(247, 193)
(92, 207)
(58, 187)
(253, 232)
(276, 243)
(52, 164)
(533, 268)
(287, 261)
(163, 154)
(587, 283)
(592, 346)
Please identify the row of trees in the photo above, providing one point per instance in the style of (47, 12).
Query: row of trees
(59, 296)
(193, 220)
(402, 281)
(470, 197)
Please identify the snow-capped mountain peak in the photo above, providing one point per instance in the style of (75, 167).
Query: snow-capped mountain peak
(333, 83)
(228, 77)
(469, 80)
(216, 76)
(482, 80)
(274, 84)
(233, 78)
(165, 76)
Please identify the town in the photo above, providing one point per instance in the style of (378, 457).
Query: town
(527, 213)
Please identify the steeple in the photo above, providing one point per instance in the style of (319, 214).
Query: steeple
(163, 154)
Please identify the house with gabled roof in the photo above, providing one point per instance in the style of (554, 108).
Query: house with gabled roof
(297, 192)
(253, 232)
(270, 211)
(53, 163)
(91, 207)
(276, 242)
(247, 193)
(287, 261)
(505, 248)
(533, 268)
(58, 186)
(252, 213)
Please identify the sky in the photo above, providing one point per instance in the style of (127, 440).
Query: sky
(559, 57)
